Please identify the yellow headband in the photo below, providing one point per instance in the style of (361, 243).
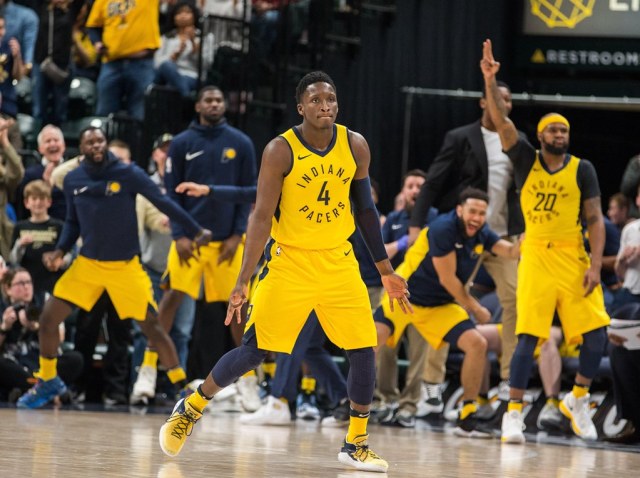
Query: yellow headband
(552, 118)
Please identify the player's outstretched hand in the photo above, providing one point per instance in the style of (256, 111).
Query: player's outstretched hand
(236, 300)
(52, 260)
(184, 249)
(591, 280)
(229, 248)
(398, 290)
(482, 315)
(193, 189)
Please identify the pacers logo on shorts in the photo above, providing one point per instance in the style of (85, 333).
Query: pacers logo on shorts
(228, 154)
(562, 13)
(113, 187)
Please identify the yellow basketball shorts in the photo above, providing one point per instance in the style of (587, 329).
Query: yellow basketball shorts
(433, 323)
(219, 279)
(549, 278)
(126, 282)
(295, 282)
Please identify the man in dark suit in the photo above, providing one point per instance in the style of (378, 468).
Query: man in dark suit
(471, 156)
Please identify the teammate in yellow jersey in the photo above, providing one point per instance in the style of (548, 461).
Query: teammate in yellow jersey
(555, 271)
(309, 178)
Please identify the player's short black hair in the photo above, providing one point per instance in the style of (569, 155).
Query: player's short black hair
(91, 128)
(413, 172)
(310, 79)
(204, 89)
(473, 193)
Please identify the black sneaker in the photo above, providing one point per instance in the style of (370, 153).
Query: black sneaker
(471, 427)
(382, 412)
(115, 398)
(339, 416)
(405, 419)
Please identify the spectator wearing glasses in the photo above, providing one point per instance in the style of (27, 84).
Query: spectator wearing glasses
(19, 349)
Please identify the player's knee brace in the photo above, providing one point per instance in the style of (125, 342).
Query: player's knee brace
(591, 351)
(236, 363)
(522, 361)
(362, 375)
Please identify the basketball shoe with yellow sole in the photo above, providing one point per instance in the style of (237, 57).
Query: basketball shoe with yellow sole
(178, 427)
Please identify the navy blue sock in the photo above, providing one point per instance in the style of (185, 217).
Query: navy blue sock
(591, 351)
(522, 361)
(362, 375)
(236, 363)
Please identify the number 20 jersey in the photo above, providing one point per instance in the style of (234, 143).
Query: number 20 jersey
(314, 211)
(551, 202)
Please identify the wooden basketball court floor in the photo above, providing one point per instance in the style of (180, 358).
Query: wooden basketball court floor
(73, 444)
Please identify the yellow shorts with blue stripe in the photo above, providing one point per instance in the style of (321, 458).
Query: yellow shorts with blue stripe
(295, 282)
(126, 282)
(219, 279)
(550, 276)
(433, 323)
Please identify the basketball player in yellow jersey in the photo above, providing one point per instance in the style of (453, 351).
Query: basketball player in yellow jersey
(554, 271)
(309, 178)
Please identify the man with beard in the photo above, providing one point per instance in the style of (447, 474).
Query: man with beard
(555, 272)
(437, 268)
(101, 198)
(221, 159)
(471, 156)
(395, 236)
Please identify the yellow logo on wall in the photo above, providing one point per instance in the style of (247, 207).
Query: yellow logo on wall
(562, 13)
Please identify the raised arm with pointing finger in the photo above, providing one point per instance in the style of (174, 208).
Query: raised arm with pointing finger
(555, 271)
(495, 103)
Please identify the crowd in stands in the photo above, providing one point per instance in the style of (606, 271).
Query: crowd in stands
(52, 43)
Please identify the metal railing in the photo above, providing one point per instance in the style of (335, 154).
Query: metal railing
(622, 103)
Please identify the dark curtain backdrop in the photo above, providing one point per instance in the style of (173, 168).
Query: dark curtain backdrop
(438, 44)
(428, 43)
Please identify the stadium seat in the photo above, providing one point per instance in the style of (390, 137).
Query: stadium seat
(23, 90)
(71, 129)
(28, 130)
(82, 98)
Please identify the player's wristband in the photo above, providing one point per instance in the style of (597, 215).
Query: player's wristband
(403, 243)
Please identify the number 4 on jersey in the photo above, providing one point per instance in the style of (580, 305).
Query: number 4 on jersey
(323, 196)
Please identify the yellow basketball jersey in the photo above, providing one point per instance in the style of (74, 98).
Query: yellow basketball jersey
(314, 210)
(128, 26)
(551, 202)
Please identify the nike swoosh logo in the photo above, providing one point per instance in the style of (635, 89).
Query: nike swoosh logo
(302, 157)
(458, 245)
(348, 252)
(80, 191)
(190, 156)
(395, 227)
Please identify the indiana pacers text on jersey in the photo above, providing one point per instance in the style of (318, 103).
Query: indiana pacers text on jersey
(324, 209)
